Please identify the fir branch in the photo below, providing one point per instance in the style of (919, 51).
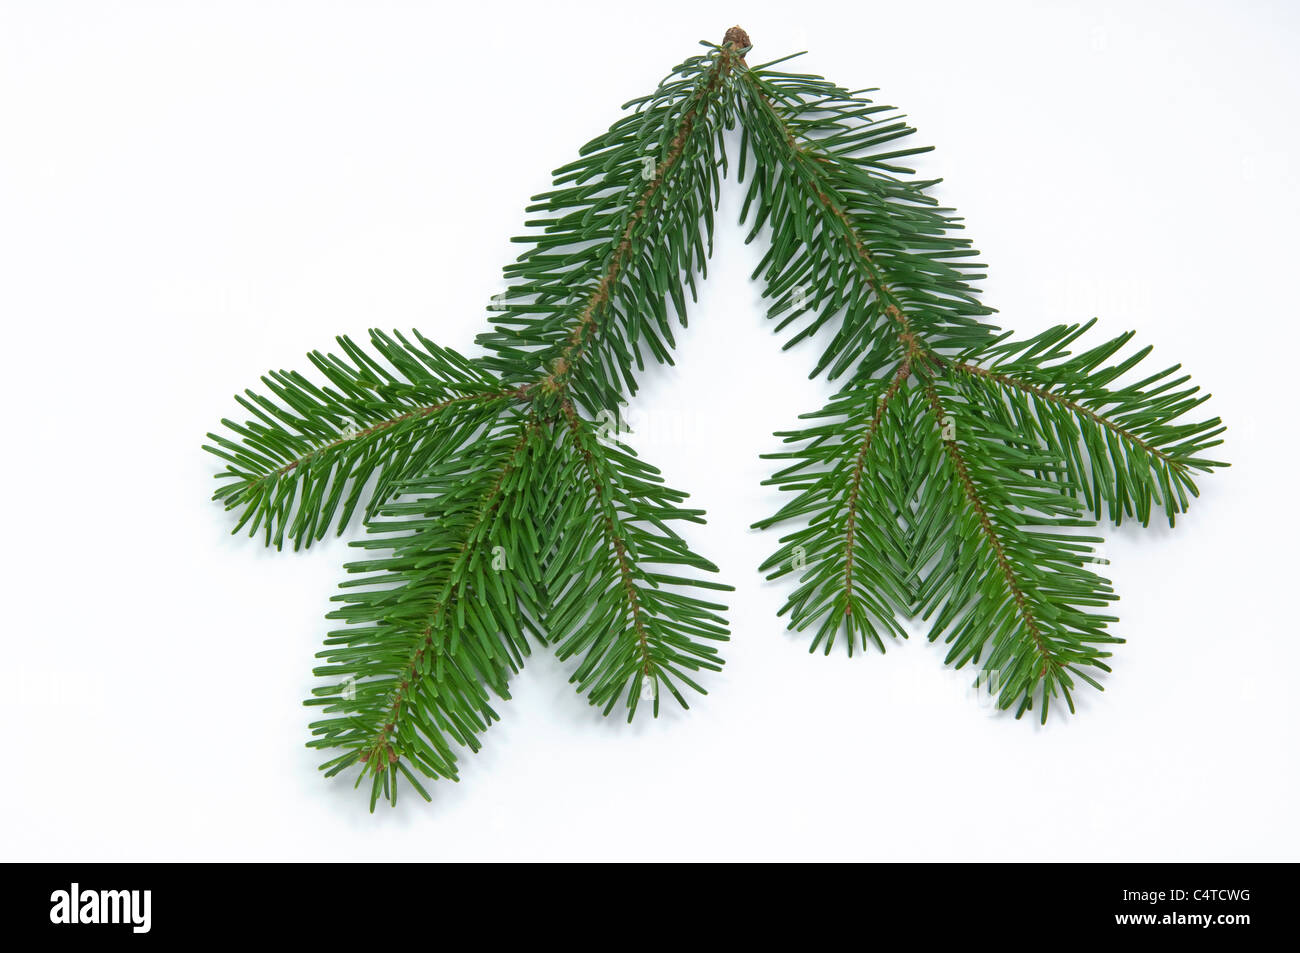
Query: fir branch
(829, 194)
(859, 465)
(433, 624)
(851, 480)
(950, 477)
(309, 451)
(872, 252)
(622, 223)
(1000, 573)
(469, 626)
(1128, 448)
(638, 624)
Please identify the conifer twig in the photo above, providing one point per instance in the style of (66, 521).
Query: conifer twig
(957, 474)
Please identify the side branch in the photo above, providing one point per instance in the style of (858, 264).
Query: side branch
(1074, 407)
(612, 536)
(811, 159)
(556, 379)
(383, 425)
(380, 751)
(990, 533)
(900, 377)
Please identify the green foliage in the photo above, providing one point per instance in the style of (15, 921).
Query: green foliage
(958, 475)
(1126, 448)
(308, 451)
(955, 474)
(855, 246)
(433, 626)
(624, 231)
(851, 477)
(636, 619)
(1002, 575)
(496, 516)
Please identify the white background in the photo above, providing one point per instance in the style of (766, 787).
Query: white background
(191, 194)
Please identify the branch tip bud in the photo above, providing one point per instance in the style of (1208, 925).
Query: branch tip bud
(737, 38)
